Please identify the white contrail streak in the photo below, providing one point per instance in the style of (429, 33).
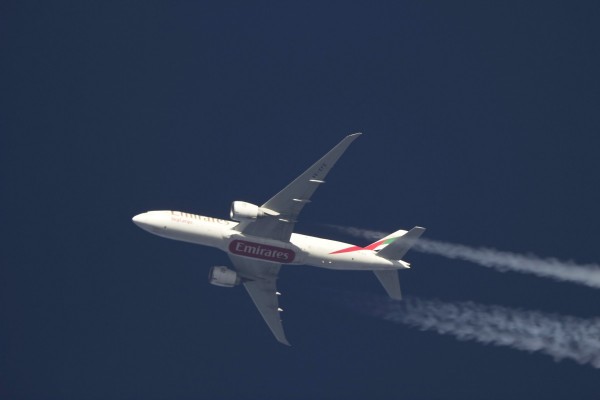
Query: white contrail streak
(565, 271)
(561, 337)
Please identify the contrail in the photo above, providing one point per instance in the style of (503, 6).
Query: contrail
(565, 271)
(561, 337)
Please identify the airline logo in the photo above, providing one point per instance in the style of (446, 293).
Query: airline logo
(261, 251)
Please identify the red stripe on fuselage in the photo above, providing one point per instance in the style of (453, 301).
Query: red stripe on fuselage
(348, 250)
(372, 246)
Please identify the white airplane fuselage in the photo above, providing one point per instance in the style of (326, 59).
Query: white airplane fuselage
(300, 250)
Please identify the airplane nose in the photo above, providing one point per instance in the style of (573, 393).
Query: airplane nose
(151, 221)
(140, 220)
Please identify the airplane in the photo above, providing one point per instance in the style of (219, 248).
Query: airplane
(260, 239)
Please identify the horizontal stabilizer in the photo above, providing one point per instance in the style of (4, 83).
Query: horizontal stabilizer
(398, 248)
(390, 282)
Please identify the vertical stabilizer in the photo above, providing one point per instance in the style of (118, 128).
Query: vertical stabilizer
(382, 243)
(399, 246)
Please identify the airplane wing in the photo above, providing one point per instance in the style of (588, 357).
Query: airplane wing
(288, 203)
(259, 278)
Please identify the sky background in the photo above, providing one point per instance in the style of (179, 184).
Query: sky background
(481, 122)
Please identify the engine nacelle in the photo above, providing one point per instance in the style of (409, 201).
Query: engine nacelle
(242, 211)
(223, 276)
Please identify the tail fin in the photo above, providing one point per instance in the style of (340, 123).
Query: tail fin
(381, 243)
(396, 247)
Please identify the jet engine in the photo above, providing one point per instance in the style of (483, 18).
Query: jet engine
(242, 211)
(223, 276)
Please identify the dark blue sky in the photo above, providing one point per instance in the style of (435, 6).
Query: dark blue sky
(481, 123)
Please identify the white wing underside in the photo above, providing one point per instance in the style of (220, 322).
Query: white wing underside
(260, 277)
